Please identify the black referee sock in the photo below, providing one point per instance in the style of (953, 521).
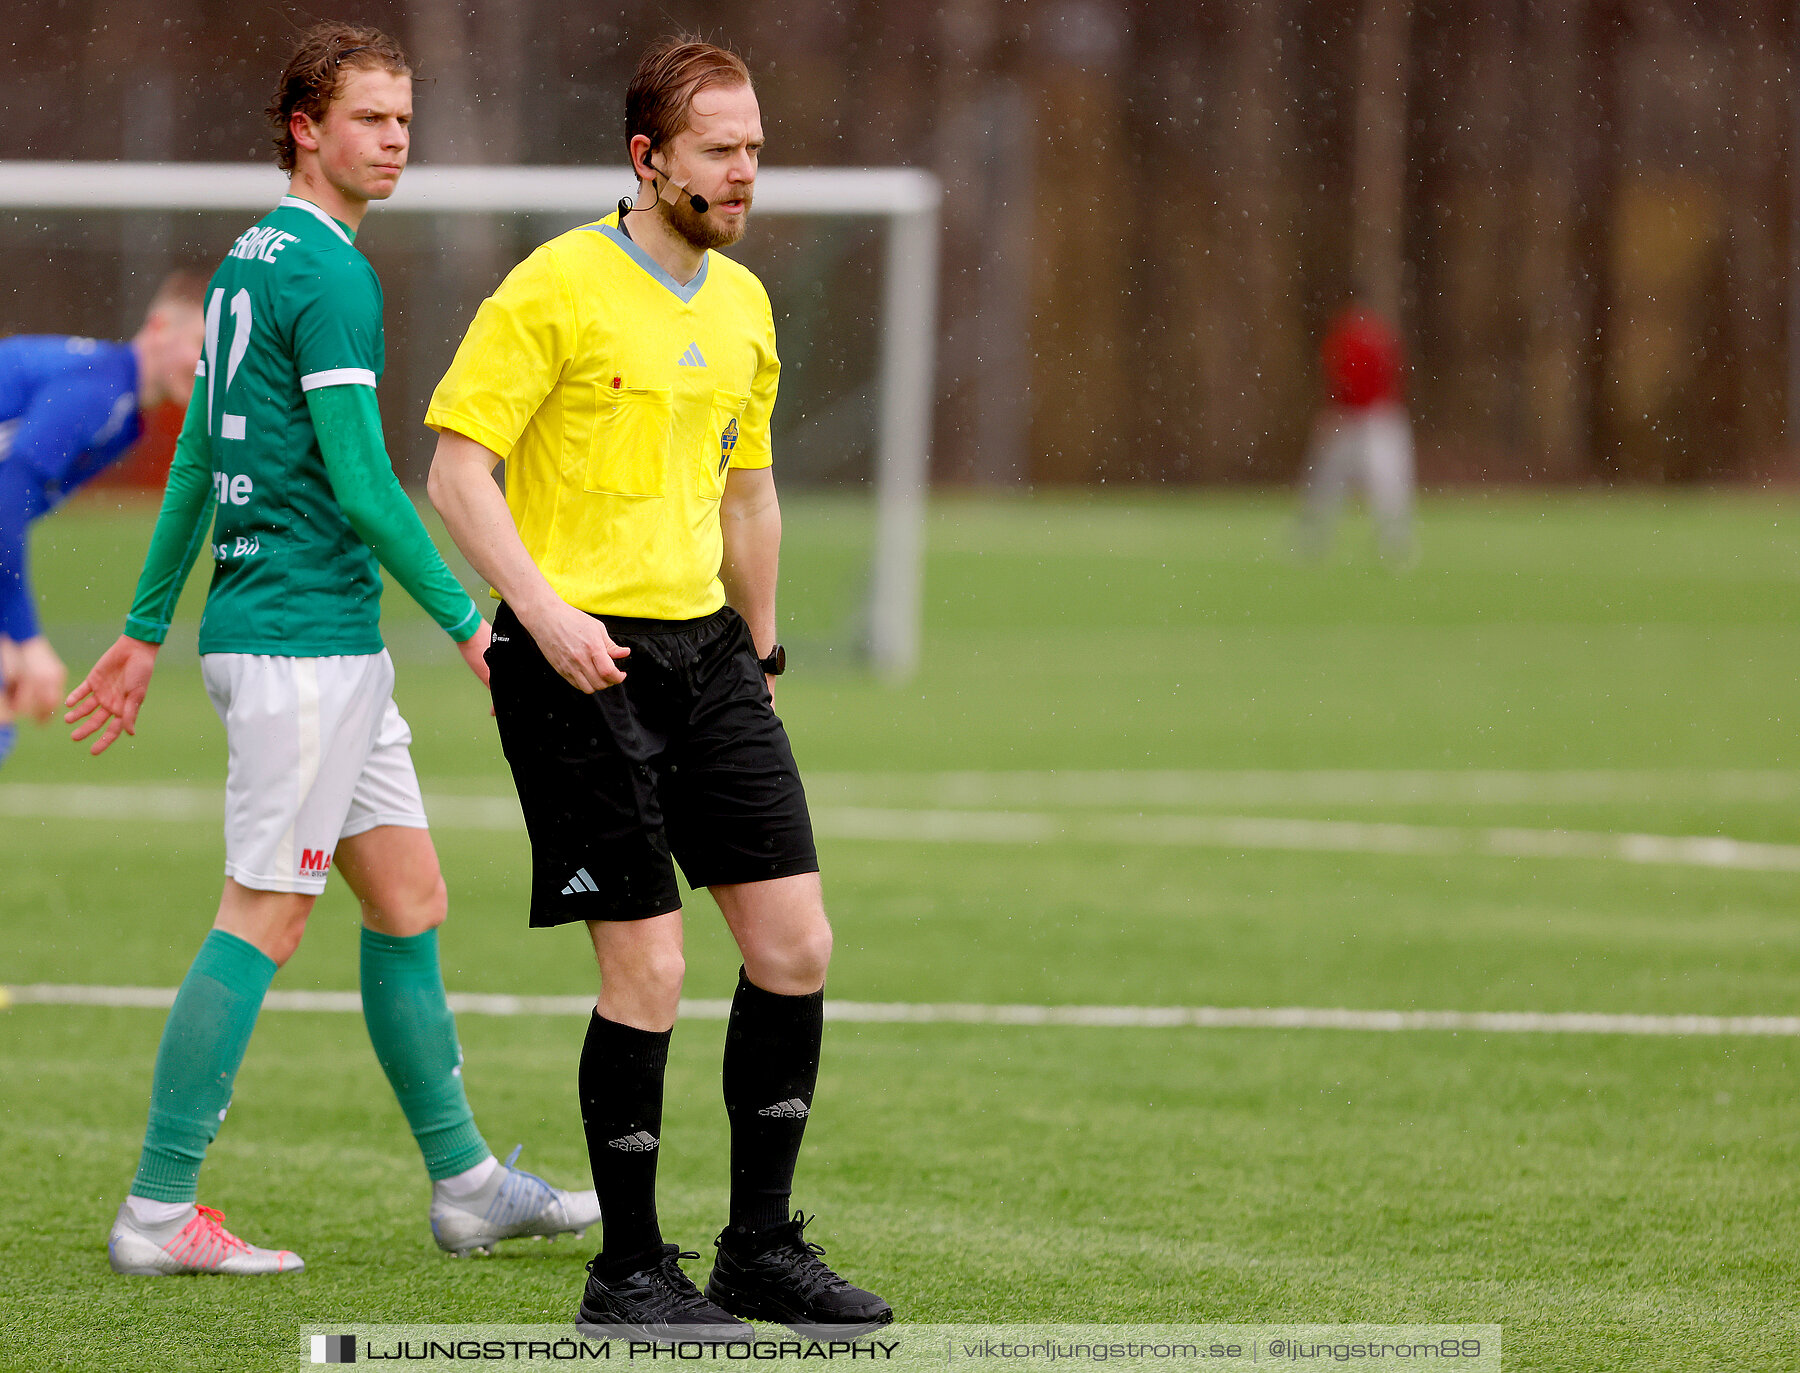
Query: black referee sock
(771, 1067)
(621, 1089)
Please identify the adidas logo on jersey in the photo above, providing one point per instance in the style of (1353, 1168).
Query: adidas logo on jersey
(791, 1109)
(692, 357)
(643, 1142)
(580, 883)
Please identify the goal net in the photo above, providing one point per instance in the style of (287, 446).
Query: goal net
(849, 256)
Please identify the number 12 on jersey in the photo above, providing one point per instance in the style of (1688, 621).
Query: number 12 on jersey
(229, 426)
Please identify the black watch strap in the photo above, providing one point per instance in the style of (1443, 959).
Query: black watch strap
(775, 664)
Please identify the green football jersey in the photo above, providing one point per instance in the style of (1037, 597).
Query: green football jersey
(292, 311)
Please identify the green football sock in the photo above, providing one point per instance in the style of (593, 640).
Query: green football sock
(203, 1042)
(414, 1036)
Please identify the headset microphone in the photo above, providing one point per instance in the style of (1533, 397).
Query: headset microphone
(669, 192)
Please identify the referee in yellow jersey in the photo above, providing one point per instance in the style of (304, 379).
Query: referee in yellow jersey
(626, 372)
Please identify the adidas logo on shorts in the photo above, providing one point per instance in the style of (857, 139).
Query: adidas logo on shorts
(640, 1143)
(791, 1109)
(580, 883)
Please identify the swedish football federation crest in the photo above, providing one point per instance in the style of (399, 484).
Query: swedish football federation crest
(727, 442)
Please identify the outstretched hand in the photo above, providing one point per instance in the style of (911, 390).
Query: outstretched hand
(108, 698)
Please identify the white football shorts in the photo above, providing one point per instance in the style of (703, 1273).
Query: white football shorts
(318, 753)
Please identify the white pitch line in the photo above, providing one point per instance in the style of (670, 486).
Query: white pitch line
(70, 801)
(1102, 788)
(943, 826)
(1316, 836)
(961, 1013)
(1267, 787)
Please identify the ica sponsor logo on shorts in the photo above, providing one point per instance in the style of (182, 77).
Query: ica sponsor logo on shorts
(315, 862)
(643, 1142)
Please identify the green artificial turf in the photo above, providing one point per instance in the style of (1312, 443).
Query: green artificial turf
(1614, 1202)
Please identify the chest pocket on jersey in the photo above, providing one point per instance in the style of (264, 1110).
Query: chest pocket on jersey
(720, 441)
(628, 452)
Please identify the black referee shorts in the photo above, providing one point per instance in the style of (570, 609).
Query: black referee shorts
(685, 762)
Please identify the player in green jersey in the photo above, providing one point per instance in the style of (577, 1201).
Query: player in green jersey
(282, 458)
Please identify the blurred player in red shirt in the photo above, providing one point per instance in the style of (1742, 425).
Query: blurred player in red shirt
(1362, 436)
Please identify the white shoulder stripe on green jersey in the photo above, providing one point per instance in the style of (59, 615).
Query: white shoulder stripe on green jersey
(337, 376)
(293, 202)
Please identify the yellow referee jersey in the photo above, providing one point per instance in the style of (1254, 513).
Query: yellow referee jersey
(619, 398)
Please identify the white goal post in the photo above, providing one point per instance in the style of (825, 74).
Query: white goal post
(906, 198)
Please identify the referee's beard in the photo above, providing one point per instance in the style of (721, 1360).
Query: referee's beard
(699, 230)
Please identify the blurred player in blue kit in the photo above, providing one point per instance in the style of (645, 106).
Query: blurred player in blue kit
(69, 409)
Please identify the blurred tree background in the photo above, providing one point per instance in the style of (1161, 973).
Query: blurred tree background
(1580, 211)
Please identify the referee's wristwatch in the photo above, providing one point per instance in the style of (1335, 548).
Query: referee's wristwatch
(775, 664)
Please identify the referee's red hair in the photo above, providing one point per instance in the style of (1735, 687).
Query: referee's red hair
(668, 78)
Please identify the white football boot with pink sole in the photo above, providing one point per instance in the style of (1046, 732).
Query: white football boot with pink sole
(196, 1241)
